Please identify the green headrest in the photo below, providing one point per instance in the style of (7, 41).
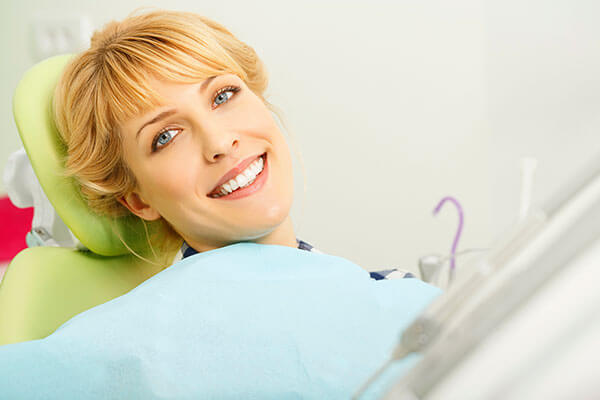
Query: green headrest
(32, 109)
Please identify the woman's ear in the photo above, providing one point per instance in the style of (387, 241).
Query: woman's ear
(137, 206)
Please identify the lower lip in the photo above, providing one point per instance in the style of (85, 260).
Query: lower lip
(258, 183)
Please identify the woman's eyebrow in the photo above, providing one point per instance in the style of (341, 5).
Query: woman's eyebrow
(160, 116)
(206, 83)
(167, 113)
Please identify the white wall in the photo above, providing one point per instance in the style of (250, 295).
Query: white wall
(543, 74)
(395, 105)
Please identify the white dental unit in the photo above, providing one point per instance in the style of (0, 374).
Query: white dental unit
(524, 323)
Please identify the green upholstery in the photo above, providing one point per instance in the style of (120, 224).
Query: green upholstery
(32, 108)
(45, 286)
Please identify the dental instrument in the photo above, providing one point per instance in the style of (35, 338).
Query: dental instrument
(522, 263)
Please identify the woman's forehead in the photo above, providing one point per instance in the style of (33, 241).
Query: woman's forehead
(163, 91)
(160, 94)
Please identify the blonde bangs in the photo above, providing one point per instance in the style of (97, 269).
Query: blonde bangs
(129, 64)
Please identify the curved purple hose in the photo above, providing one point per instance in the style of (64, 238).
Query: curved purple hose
(460, 225)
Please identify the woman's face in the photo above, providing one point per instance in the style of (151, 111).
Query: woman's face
(182, 150)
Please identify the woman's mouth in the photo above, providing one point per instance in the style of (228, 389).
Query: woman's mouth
(250, 180)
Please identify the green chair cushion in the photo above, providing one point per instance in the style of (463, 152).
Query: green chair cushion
(46, 286)
(32, 108)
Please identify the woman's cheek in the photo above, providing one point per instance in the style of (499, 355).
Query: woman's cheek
(172, 173)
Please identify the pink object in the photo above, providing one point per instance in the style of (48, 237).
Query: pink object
(14, 225)
(460, 226)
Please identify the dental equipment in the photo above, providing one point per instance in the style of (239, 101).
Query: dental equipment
(456, 236)
(522, 263)
(458, 231)
(431, 265)
(24, 190)
(528, 167)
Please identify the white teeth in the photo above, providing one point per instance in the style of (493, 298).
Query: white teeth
(243, 179)
(256, 167)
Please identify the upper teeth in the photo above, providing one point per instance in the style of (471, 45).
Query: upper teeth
(245, 178)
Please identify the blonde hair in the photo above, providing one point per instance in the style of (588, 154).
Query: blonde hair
(108, 83)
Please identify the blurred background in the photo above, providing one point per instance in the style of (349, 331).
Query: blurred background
(392, 105)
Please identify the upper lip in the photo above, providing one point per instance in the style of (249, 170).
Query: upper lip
(235, 171)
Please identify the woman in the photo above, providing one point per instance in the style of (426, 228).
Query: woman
(165, 117)
(161, 115)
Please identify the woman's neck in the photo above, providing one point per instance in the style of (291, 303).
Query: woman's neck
(282, 235)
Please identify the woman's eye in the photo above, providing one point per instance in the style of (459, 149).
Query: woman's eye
(163, 138)
(224, 95)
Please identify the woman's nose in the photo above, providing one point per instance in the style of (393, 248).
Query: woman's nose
(216, 154)
(217, 142)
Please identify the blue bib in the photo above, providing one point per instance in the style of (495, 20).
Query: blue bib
(244, 321)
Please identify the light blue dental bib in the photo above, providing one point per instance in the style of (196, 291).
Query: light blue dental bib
(244, 321)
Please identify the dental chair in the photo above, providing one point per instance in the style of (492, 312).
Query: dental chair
(46, 286)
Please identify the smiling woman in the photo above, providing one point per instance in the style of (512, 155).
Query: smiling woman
(164, 118)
